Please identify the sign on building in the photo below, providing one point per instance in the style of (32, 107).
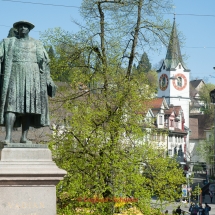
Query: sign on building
(184, 190)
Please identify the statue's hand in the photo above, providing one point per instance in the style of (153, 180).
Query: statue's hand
(51, 83)
(51, 88)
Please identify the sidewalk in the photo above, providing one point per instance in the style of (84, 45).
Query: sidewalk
(185, 207)
(208, 201)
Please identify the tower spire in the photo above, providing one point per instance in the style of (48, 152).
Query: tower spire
(173, 55)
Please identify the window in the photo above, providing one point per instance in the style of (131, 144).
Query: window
(163, 66)
(163, 81)
(170, 152)
(170, 138)
(175, 150)
(179, 66)
(171, 123)
(179, 81)
(160, 120)
(166, 122)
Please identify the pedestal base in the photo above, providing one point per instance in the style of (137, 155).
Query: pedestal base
(28, 179)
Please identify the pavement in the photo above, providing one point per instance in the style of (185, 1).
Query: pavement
(185, 206)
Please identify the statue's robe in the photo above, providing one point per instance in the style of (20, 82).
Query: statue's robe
(37, 105)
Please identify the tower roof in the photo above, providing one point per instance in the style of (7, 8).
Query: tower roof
(173, 55)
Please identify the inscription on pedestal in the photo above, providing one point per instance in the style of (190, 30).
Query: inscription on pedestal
(20, 207)
(28, 200)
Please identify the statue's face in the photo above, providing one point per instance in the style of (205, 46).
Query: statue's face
(23, 29)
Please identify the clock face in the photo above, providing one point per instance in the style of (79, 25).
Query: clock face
(163, 82)
(180, 82)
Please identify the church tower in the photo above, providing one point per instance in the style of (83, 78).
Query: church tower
(174, 77)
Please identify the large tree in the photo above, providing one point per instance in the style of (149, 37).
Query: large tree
(102, 146)
(205, 150)
(144, 64)
(204, 94)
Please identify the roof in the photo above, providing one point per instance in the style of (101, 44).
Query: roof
(175, 109)
(193, 92)
(178, 131)
(173, 55)
(178, 110)
(149, 113)
(195, 83)
(170, 111)
(157, 103)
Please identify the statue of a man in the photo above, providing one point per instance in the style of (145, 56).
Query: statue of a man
(24, 80)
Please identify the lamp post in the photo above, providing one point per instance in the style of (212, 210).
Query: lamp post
(188, 186)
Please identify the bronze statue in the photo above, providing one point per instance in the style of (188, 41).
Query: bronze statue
(24, 82)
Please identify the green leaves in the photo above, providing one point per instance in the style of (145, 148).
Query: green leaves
(144, 64)
(100, 109)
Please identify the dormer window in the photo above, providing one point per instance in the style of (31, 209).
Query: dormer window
(171, 123)
(164, 67)
(179, 66)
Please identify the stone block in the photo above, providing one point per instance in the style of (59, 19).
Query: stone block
(28, 179)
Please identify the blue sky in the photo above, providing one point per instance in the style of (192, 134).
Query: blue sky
(198, 28)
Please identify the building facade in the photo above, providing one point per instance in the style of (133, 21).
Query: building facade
(168, 131)
(174, 77)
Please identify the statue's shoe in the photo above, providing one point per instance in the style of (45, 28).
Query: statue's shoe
(25, 141)
(6, 142)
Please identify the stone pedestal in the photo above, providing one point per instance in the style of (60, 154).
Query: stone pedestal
(28, 179)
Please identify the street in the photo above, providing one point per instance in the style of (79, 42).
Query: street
(185, 206)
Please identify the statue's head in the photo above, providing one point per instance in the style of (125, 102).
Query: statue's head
(12, 33)
(28, 24)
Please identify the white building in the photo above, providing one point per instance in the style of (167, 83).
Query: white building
(174, 78)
